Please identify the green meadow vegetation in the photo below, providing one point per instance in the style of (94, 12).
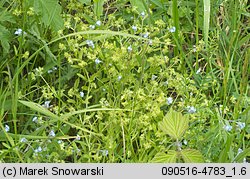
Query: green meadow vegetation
(124, 81)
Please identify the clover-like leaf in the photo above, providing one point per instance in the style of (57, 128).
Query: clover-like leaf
(174, 124)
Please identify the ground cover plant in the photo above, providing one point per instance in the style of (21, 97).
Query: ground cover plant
(124, 81)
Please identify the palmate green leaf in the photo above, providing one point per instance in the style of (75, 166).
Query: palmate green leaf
(39, 108)
(6, 16)
(174, 124)
(162, 157)
(50, 12)
(191, 156)
(4, 39)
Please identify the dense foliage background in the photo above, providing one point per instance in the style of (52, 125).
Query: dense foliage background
(124, 81)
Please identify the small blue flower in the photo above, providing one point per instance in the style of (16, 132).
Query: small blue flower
(46, 104)
(78, 137)
(239, 151)
(130, 48)
(169, 100)
(59, 141)
(119, 78)
(98, 23)
(185, 142)
(97, 61)
(35, 119)
(23, 140)
(153, 77)
(50, 71)
(7, 128)
(191, 109)
(198, 71)
(90, 43)
(82, 94)
(92, 27)
(19, 32)
(134, 28)
(52, 133)
(39, 149)
(241, 125)
(194, 48)
(172, 29)
(143, 14)
(145, 35)
(228, 127)
(104, 152)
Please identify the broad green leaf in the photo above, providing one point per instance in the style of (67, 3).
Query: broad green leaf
(4, 39)
(174, 124)
(39, 108)
(191, 156)
(162, 157)
(6, 16)
(50, 12)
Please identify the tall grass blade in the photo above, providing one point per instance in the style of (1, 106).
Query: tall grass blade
(175, 15)
(39, 108)
(206, 20)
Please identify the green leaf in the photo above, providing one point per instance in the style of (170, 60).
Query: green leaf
(98, 7)
(50, 12)
(174, 124)
(224, 155)
(4, 39)
(242, 155)
(88, 2)
(39, 108)
(139, 5)
(6, 16)
(191, 156)
(169, 157)
(6, 145)
(159, 3)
